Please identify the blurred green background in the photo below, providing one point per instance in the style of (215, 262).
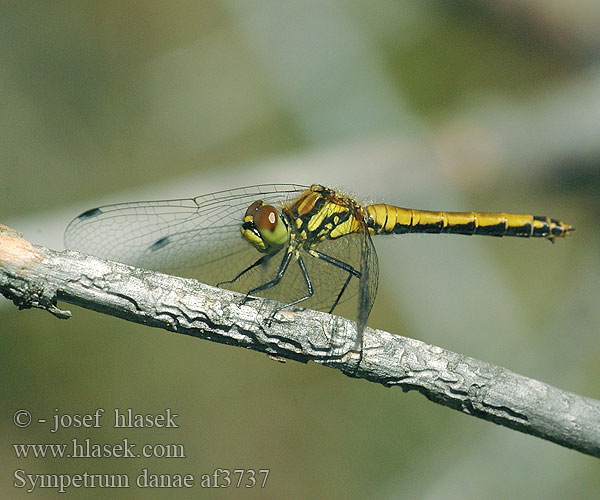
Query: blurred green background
(468, 105)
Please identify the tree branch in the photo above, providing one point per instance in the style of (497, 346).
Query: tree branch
(35, 276)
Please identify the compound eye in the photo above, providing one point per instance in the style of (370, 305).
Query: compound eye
(253, 208)
(265, 217)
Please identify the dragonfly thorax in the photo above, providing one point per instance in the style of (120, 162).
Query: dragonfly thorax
(264, 228)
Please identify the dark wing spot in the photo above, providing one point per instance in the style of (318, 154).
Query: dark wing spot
(93, 212)
(158, 244)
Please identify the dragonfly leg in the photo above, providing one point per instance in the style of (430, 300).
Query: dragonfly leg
(335, 303)
(342, 265)
(240, 274)
(271, 283)
(309, 289)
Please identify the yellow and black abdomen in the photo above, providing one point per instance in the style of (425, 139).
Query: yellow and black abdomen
(388, 219)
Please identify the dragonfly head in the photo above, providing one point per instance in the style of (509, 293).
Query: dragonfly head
(264, 228)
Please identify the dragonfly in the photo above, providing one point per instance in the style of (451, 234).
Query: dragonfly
(309, 245)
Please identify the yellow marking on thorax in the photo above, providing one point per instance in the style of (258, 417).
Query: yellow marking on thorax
(316, 220)
(347, 227)
(326, 211)
(307, 203)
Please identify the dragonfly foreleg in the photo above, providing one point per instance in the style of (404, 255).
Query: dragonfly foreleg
(271, 283)
(342, 265)
(240, 274)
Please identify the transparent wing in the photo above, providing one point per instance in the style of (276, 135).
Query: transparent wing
(197, 237)
(369, 281)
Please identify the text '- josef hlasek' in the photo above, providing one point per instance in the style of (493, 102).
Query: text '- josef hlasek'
(121, 419)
